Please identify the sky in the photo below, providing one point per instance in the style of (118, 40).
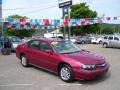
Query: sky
(39, 9)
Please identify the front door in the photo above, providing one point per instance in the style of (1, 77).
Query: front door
(47, 59)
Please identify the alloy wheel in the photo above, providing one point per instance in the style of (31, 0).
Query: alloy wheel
(66, 73)
(24, 61)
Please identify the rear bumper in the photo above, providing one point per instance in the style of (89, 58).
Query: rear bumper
(90, 74)
(95, 41)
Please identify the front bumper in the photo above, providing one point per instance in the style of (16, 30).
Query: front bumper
(90, 74)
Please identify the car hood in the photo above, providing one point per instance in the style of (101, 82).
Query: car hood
(86, 57)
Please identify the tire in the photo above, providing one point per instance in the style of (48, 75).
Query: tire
(83, 42)
(6, 51)
(24, 61)
(100, 42)
(105, 45)
(66, 73)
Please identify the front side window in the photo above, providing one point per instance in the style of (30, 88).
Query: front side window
(65, 47)
(44, 46)
(34, 44)
(105, 37)
(110, 38)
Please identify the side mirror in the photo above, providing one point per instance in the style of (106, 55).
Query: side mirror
(49, 51)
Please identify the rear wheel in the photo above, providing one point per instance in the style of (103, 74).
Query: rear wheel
(24, 61)
(66, 73)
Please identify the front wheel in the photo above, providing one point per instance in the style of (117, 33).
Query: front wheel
(66, 73)
(100, 42)
(24, 61)
(83, 42)
(105, 45)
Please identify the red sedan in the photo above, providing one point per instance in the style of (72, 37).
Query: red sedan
(63, 58)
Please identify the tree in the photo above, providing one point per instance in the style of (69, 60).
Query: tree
(83, 11)
(17, 16)
(107, 30)
(19, 33)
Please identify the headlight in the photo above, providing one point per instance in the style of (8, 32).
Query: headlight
(88, 67)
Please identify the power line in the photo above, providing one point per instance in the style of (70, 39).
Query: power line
(40, 9)
(21, 8)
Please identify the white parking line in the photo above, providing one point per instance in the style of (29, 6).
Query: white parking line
(69, 84)
(16, 85)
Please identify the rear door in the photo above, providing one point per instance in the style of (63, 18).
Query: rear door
(32, 52)
(111, 41)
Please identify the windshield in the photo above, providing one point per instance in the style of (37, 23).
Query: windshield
(15, 39)
(65, 47)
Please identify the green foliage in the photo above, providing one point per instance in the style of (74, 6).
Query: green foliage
(19, 33)
(110, 28)
(107, 30)
(83, 11)
(17, 16)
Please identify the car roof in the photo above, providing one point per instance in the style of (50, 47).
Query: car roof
(112, 35)
(48, 40)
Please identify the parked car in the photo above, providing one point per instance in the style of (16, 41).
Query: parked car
(15, 42)
(72, 39)
(56, 38)
(5, 45)
(111, 41)
(83, 40)
(96, 40)
(62, 58)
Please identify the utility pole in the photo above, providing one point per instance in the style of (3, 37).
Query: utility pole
(1, 21)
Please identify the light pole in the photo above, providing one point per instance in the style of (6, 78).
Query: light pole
(69, 32)
(102, 22)
(65, 5)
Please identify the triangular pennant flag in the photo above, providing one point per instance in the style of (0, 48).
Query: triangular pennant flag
(46, 21)
(56, 22)
(108, 18)
(114, 18)
(73, 22)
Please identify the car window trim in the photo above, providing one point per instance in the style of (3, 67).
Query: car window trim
(47, 43)
(116, 39)
(31, 42)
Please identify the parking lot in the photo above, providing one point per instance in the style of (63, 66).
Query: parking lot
(15, 77)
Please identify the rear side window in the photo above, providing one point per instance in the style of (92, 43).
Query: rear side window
(116, 38)
(34, 44)
(110, 38)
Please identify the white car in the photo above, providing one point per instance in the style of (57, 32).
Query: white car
(96, 40)
(73, 40)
